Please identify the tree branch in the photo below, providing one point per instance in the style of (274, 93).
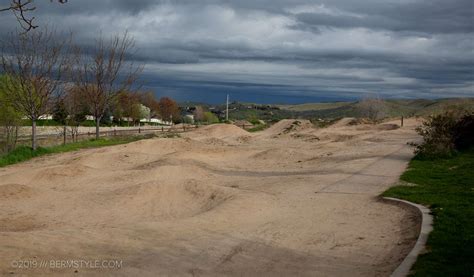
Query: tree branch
(20, 8)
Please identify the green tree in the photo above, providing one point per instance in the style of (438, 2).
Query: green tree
(60, 113)
(127, 105)
(37, 64)
(10, 118)
(76, 109)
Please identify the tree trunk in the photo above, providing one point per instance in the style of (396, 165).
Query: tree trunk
(97, 126)
(64, 134)
(7, 139)
(16, 137)
(33, 134)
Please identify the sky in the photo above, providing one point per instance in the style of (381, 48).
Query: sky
(275, 51)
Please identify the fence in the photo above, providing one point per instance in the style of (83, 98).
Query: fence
(60, 137)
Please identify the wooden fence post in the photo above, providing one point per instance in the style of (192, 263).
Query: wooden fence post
(64, 135)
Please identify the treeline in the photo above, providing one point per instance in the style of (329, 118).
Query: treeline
(46, 72)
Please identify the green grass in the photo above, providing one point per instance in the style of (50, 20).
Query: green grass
(257, 128)
(447, 187)
(24, 153)
(40, 122)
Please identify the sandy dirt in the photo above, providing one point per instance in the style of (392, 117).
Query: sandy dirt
(288, 201)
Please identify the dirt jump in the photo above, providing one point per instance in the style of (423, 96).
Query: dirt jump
(292, 200)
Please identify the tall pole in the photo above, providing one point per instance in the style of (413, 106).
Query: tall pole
(227, 109)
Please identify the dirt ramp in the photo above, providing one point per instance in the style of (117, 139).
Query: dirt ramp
(287, 126)
(159, 200)
(15, 192)
(346, 121)
(387, 127)
(221, 131)
(243, 123)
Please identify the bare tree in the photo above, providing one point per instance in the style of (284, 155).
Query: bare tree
(35, 64)
(20, 8)
(372, 108)
(76, 109)
(105, 72)
(199, 114)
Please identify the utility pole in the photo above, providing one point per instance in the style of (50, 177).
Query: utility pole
(227, 109)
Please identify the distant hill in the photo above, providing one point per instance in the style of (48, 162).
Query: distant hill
(416, 107)
(334, 110)
(315, 106)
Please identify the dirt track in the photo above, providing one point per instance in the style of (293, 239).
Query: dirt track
(291, 200)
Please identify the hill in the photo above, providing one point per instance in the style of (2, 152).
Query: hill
(335, 110)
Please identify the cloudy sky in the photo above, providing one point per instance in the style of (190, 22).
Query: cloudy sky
(291, 51)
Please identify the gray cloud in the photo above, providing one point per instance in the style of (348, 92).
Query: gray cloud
(429, 17)
(301, 48)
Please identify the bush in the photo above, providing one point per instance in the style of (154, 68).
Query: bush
(464, 132)
(210, 118)
(254, 119)
(444, 134)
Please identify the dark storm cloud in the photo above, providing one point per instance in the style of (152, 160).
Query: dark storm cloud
(271, 48)
(430, 17)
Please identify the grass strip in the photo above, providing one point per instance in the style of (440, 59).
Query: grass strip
(446, 186)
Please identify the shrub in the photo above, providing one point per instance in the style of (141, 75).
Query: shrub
(210, 118)
(254, 120)
(464, 132)
(444, 134)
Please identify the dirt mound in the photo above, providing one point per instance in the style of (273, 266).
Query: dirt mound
(243, 123)
(221, 131)
(305, 137)
(20, 224)
(244, 139)
(275, 154)
(387, 127)
(347, 121)
(60, 172)
(214, 141)
(379, 127)
(287, 126)
(159, 200)
(15, 191)
(240, 198)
